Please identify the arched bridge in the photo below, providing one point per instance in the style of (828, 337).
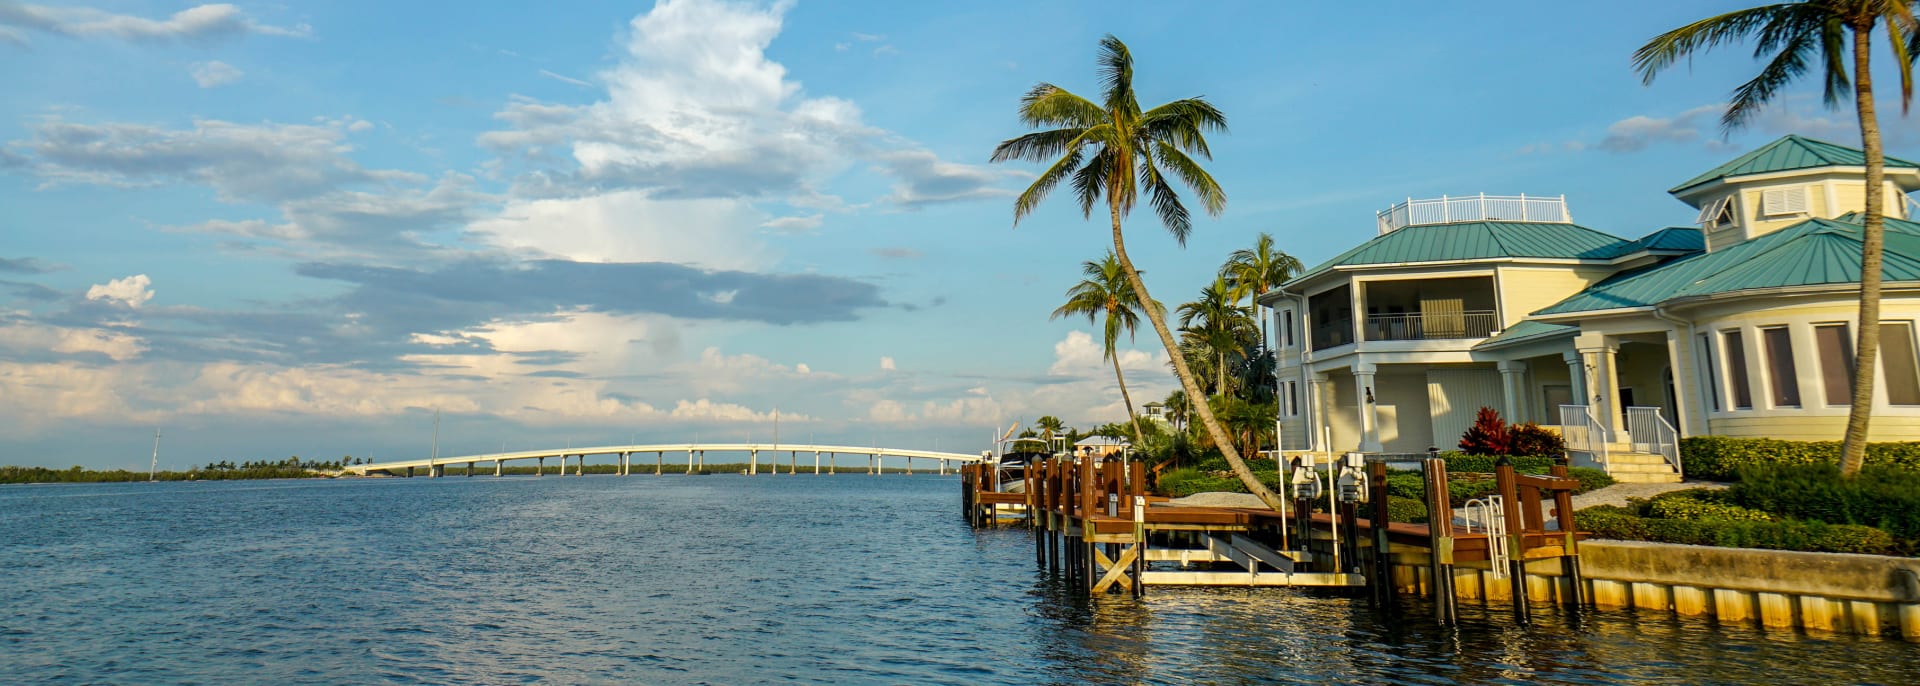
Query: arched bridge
(694, 453)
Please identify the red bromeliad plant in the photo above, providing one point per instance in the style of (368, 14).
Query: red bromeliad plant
(1487, 436)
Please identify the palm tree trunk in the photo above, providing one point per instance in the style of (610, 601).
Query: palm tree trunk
(1187, 382)
(1853, 450)
(1128, 399)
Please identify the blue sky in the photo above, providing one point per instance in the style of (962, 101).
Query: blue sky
(280, 230)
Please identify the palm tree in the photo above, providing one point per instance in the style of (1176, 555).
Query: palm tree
(1105, 291)
(1251, 272)
(1217, 322)
(1115, 151)
(1177, 410)
(1822, 31)
(1049, 427)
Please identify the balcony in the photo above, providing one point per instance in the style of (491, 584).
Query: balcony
(1471, 208)
(1431, 326)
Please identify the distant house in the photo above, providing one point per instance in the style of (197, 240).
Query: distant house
(1741, 326)
(1101, 446)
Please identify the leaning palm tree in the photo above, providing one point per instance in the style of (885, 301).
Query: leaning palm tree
(1830, 33)
(1105, 291)
(1251, 272)
(1115, 151)
(1217, 322)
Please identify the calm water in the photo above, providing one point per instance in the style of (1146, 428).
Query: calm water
(722, 579)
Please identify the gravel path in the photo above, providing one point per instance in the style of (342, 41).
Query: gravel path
(1618, 494)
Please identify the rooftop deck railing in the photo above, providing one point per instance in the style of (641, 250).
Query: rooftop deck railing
(1468, 208)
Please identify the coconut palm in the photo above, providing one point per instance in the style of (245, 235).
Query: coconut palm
(1177, 409)
(1049, 427)
(1104, 291)
(1218, 323)
(1115, 151)
(1830, 33)
(1251, 272)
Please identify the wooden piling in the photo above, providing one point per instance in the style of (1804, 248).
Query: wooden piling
(1511, 506)
(1440, 540)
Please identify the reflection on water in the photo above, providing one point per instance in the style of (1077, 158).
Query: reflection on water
(847, 579)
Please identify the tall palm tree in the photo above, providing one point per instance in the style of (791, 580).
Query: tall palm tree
(1105, 291)
(1115, 151)
(1177, 409)
(1049, 427)
(1251, 272)
(1217, 322)
(1831, 32)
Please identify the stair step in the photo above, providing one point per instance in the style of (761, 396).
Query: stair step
(1620, 467)
(1646, 478)
(1636, 458)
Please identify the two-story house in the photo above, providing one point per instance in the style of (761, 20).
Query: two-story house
(1742, 326)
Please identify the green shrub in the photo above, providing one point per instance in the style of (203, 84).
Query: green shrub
(1531, 439)
(1605, 521)
(1406, 510)
(1590, 479)
(1882, 496)
(1186, 481)
(1721, 457)
(1408, 485)
(1687, 505)
(1462, 462)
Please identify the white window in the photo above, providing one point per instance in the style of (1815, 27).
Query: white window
(1781, 373)
(1783, 201)
(1716, 212)
(1899, 363)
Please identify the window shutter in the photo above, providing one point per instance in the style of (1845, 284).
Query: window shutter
(1781, 201)
(1712, 213)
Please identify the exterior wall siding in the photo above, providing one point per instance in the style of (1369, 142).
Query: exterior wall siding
(1524, 290)
(1456, 395)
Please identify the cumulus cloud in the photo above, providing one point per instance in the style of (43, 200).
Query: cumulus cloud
(132, 291)
(200, 24)
(886, 364)
(1637, 132)
(215, 73)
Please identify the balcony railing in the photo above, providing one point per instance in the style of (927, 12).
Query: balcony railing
(1431, 326)
(1469, 208)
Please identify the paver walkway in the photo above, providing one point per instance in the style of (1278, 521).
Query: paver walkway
(1618, 494)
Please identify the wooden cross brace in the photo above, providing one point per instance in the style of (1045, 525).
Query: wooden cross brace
(1116, 569)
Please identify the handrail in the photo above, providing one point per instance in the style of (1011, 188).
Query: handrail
(1423, 326)
(1580, 420)
(1482, 207)
(1492, 511)
(1648, 427)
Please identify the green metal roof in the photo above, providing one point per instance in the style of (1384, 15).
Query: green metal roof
(1674, 238)
(1527, 330)
(1810, 253)
(1478, 240)
(1789, 153)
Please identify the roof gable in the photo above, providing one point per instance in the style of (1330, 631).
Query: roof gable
(1788, 153)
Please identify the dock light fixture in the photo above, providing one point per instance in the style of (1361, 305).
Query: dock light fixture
(1369, 395)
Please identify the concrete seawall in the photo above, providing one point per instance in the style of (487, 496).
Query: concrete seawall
(1860, 594)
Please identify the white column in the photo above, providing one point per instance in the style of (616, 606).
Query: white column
(1576, 378)
(753, 462)
(1319, 391)
(1513, 384)
(1369, 418)
(1680, 348)
(1603, 388)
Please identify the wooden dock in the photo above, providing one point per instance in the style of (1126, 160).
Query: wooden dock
(1095, 524)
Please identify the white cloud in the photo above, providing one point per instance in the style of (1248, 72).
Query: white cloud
(198, 24)
(565, 79)
(802, 369)
(886, 363)
(628, 226)
(1078, 355)
(132, 291)
(794, 224)
(1637, 132)
(215, 73)
(28, 337)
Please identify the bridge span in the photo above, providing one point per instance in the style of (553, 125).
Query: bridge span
(695, 454)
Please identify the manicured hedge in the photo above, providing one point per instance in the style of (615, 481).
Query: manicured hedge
(1462, 462)
(1607, 521)
(1701, 505)
(1882, 496)
(1720, 458)
(1406, 510)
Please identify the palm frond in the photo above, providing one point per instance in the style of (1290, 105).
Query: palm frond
(1833, 42)
(1196, 178)
(1752, 95)
(1050, 105)
(1903, 55)
(1038, 146)
(1030, 198)
(1091, 181)
(1165, 201)
(1185, 123)
(1669, 47)
(1116, 75)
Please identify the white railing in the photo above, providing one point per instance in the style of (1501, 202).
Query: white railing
(1584, 433)
(1432, 326)
(1492, 516)
(1650, 432)
(1469, 208)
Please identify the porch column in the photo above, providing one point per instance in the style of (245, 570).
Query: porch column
(1319, 390)
(1369, 419)
(1576, 378)
(1677, 345)
(1600, 353)
(1513, 388)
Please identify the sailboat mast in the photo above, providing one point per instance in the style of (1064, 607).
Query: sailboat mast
(153, 470)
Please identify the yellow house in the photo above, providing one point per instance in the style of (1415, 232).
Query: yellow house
(1742, 326)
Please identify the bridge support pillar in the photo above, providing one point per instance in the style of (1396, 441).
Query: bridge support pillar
(469, 469)
(833, 464)
(703, 460)
(753, 463)
(496, 467)
(816, 463)
(409, 472)
(873, 464)
(579, 467)
(793, 461)
(541, 470)
(659, 462)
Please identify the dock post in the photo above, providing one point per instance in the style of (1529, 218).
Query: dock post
(1140, 546)
(1570, 543)
(1382, 577)
(1516, 538)
(1440, 540)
